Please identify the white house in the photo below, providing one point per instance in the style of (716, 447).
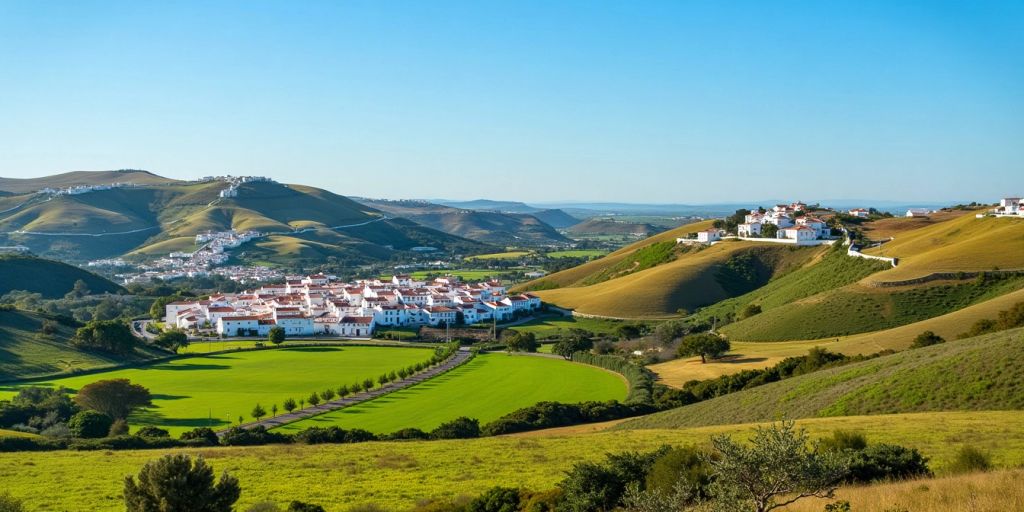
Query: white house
(238, 325)
(750, 229)
(709, 235)
(859, 213)
(821, 229)
(917, 212)
(798, 233)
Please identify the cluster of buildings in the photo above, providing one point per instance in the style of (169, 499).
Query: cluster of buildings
(234, 182)
(81, 189)
(793, 224)
(320, 305)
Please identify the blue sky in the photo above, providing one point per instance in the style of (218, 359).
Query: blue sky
(680, 101)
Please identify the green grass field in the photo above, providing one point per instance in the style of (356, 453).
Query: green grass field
(214, 390)
(398, 474)
(508, 255)
(485, 388)
(578, 253)
(981, 373)
(547, 326)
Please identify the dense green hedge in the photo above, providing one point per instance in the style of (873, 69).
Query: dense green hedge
(641, 380)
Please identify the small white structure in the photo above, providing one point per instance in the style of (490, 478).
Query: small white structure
(709, 235)
(798, 234)
(859, 213)
(918, 212)
(750, 229)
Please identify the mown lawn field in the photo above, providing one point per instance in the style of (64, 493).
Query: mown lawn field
(215, 390)
(398, 474)
(485, 388)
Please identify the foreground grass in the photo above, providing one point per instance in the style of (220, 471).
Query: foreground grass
(998, 491)
(398, 474)
(215, 390)
(486, 388)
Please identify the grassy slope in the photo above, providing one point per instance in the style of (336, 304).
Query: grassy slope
(964, 243)
(25, 352)
(750, 355)
(188, 391)
(687, 282)
(982, 373)
(81, 178)
(52, 279)
(398, 474)
(599, 226)
(485, 388)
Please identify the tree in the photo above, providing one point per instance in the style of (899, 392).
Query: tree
(176, 483)
(927, 339)
(343, 391)
(90, 424)
(49, 327)
(628, 331)
(704, 345)
(667, 332)
(572, 343)
(327, 394)
(205, 435)
(299, 506)
(775, 470)
(289, 405)
(258, 412)
(750, 310)
(172, 340)
(383, 379)
(368, 384)
(273, 410)
(769, 230)
(595, 486)
(151, 431)
(314, 399)
(79, 290)
(496, 499)
(459, 428)
(116, 398)
(276, 335)
(517, 341)
(158, 309)
(106, 335)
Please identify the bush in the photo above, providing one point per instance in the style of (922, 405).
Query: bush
(258, 435)
(970, 460)
(264, 506)
(886, 462)
(926, 339)
(459, 428)
(124, 443)
(298, 506)
(685, 465)
(30, 444)
(405, 433)
(201, 436)
(176, 483)
(151, 431)
(590, 486)
(844, 440)
(333, 435)
(112, 336)
(118, 428)
(90, 424)
(496, 499)
(555, 414)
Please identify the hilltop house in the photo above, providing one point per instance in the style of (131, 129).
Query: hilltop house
(859, 213)
(917, 212)
(709, 235)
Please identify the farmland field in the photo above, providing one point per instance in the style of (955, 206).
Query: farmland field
(486, 388)
(509, 255)
(553, 325)
(215, 390)
(398, 474)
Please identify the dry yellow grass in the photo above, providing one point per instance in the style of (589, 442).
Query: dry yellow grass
(998, 491)
(885, 228)
(687, 282)
(753, 355)
(964, 244)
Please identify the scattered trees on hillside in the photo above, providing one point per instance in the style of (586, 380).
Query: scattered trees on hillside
(116, 398)
(276, 335)
(704, 345)
(177, 483)
(1007, 319)
(106, 335)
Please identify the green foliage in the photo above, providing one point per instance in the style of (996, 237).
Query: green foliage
(685, 465)
(927, 339)
(496, 499)
(90, 424)
(704, 345)
(520, 341)
(459, 428)
(575, 341)
(201, 435)
(52, 279)
(9, 503)
(776, 468)
(742, 273)
(150, 431)
(1007, 319)
(970, 459)
(116, 398)
(882, 462)
(314, 399)
(593, 486)
(289, 404)
(749, 310)
(276, 335)
(111, 336)
(841, 440)
(258, 412)
(299, 506)
(641, 380)
(553, 414)
(643, 258)
(176, 483)
(172, 340)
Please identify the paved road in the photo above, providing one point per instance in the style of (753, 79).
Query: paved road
(460, 357)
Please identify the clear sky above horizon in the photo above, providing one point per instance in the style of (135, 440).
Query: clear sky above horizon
(679, 101)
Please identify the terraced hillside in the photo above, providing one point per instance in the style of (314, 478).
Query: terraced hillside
(483, 226)
(26, 352)
(981, 373)
(52, 279)
(308, 224)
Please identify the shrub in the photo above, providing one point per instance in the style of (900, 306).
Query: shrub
(844, 440)
(406, 433)
(118, 428)
(749, 311)
(926, 339)
(258, 435)
(886, 462)
(264, 506)
(333, 435)
(685, 465)
(150, 431)
(9, 503)
(90, 424)
(970, 460)
(459, 428)
(176, 483)
(496, 499)
(201, 435)
(298, 506)
(590, 486)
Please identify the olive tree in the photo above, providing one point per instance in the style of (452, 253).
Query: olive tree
(177, 483)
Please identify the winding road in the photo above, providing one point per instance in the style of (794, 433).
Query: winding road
(460, 357)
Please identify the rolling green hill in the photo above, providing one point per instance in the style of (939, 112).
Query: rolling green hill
(605, 226)
(556, 218)
(981, 373)
(26, 352)
(483, 226)
(307, 224)
(52, 279)
(68, 179)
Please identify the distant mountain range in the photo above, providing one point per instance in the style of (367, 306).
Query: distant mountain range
(304, 224)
